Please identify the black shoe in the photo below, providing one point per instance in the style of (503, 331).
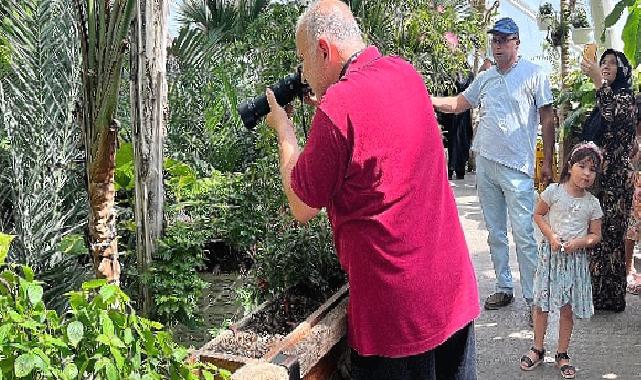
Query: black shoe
(498, 300)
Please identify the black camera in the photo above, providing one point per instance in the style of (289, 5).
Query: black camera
(288, 88)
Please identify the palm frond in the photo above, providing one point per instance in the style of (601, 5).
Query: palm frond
(227, 19)
(44, 145)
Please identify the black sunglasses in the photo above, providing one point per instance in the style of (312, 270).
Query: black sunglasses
(503, 41)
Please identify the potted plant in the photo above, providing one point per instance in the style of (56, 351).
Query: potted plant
(581, 29)
(546, 16)
(557, 33)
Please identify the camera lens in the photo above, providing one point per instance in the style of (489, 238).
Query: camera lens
(285, 90)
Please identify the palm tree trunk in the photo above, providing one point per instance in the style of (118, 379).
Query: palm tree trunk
(148, 119)
(102, 216)
(566, 9)
(103, 27)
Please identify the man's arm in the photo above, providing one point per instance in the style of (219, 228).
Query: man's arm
(288, 152)
(546, 115)
(451, 104)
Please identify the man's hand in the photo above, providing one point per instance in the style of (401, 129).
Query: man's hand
(278, 118)
(546, 174)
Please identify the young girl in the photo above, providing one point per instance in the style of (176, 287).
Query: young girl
(570, 219)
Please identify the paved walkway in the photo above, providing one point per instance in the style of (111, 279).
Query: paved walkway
(608, 346)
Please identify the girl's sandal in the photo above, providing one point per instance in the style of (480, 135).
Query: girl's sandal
(527, 364)
(567, 371)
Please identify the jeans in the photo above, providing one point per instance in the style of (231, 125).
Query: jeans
(505, 191)
(455, 359)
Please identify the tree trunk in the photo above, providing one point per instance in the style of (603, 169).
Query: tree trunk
(148, 120)
(567, 7)
(102, 215)
(103, 29)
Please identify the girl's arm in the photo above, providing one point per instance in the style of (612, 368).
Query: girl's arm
(542, 210)
(589, 240)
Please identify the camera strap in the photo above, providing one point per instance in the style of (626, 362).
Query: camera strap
(349, 61)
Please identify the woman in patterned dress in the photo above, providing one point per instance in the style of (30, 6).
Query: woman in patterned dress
(612, 126)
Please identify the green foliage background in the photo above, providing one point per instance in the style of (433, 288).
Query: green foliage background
(222, 181)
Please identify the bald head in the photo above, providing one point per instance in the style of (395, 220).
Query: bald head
(332, 20)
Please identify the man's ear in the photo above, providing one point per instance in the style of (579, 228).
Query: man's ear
(324, 47)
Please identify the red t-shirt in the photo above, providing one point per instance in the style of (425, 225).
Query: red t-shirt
(374, 158)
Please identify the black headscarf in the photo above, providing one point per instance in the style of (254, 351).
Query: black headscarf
(594, 125)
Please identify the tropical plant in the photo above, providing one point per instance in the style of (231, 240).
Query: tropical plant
(220, 19)
(103, 28)
(558, 33)
(253, 214)
(546, 10)
(580, 96)
(41, 179)
(579, 18)
(631, 34)
(5, 55)
(100, 337)
(439, 41)
(435, 36)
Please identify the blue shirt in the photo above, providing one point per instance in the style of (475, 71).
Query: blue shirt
(509, 117)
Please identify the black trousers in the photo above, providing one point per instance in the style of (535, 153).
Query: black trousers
(458, 138)
(455, 359)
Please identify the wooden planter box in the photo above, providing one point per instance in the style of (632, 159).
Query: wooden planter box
(310, 351)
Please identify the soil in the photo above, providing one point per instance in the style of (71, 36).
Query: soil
(244, 343)
(286, 311)
(272, 323)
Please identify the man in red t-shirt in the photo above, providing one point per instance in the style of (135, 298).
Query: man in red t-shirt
(374, 159)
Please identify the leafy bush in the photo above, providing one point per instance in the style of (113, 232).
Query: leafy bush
(581, 98)
(101, 337)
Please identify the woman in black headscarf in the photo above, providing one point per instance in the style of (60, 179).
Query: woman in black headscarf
(612, 126)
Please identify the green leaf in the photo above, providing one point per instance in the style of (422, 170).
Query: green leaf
(28, 273)
(107, 324)
(93, 284)
(75, 331)
(24, 364)
(207, 375)
(111, 371)
(5, 329)
(120, 361)
(34, 293)
(5, 243)
(71, 371)
(128, 336)
(107, 292)
(630, 36)
(616, 13)
(124, 154)
(72, 245)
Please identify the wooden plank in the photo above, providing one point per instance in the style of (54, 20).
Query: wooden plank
(328, 365)
(305, 327)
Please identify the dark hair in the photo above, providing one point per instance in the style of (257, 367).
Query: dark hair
(580, 152)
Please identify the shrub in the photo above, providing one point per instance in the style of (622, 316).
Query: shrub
(101, 337)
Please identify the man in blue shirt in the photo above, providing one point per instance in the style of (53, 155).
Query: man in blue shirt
(513, 95)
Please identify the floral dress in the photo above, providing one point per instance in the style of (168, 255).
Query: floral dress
(564, 278)
(619, 111)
